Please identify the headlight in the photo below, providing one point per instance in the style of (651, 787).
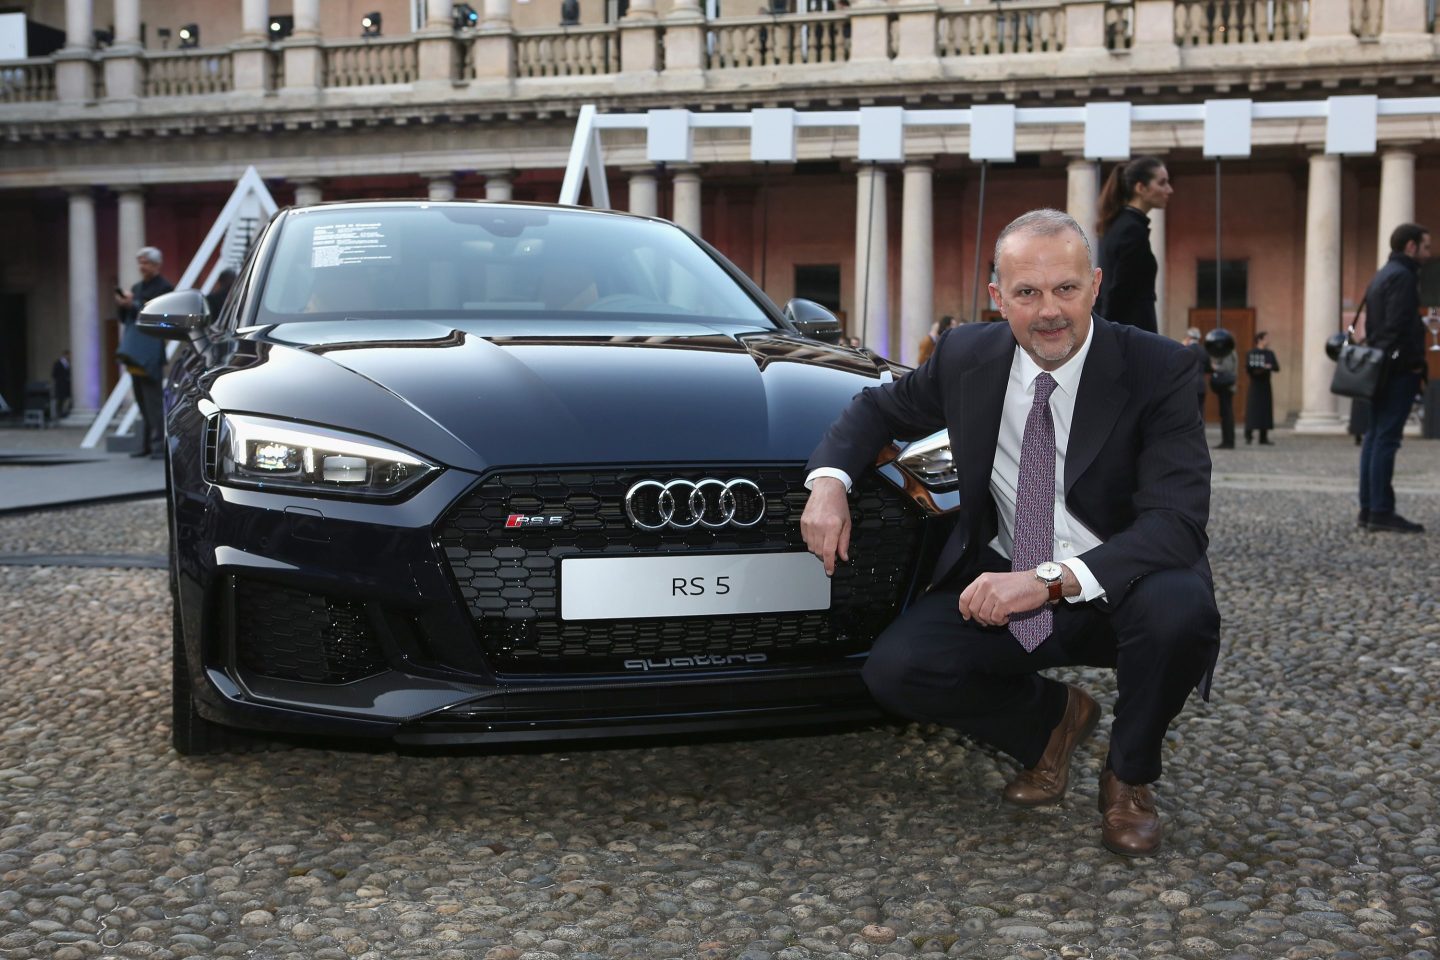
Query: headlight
(931, 462)
(280, 456)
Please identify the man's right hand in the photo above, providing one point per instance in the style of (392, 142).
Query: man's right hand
(825, 524)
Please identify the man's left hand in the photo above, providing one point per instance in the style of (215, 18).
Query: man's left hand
(993, 598)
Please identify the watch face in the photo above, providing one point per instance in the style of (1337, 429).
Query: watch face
(1049, 570)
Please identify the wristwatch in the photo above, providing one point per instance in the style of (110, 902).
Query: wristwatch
(1052, 575)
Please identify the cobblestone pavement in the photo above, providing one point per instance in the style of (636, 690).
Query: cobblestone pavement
(1300, 802)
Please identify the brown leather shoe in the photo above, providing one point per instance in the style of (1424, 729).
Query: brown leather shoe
(1129, 824)
(1046, 781)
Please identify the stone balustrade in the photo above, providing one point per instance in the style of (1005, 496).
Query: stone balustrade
(1119, 26)
(187, 73)
(567, 52)
(370, 63)
(1203, 23)
(27, 81)
(912, 32)
(1024, 26)
(778, 41)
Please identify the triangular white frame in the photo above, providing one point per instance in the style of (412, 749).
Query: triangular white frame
(248, 185)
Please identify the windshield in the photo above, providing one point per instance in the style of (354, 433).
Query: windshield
(503, 262)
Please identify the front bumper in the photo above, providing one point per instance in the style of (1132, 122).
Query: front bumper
(356, 619)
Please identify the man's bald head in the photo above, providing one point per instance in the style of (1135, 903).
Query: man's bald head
(1045, 222)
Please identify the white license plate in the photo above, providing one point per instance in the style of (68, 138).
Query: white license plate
(609, 588)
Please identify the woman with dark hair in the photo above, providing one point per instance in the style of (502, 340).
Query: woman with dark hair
(1259, 403)
(1128, 267)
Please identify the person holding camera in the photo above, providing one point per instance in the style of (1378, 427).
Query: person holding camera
(142, 355)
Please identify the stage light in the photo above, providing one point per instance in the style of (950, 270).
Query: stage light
(282, 26)
(189, 36)
(465, 16)
(370, 24)
(164, 34)
(104, 38)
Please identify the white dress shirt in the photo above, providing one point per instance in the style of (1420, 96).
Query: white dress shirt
(1072, 538)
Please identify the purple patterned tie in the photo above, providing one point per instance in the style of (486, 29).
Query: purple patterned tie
(1034, 540)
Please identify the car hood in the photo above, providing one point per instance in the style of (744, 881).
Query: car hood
(484, 394)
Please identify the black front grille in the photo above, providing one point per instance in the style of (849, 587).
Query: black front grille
(509, 577)
(294, 635)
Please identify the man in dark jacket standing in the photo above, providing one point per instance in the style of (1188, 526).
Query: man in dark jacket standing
(1392, 323)
(143, 355)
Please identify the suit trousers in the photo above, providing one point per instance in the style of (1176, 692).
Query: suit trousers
(933, 666)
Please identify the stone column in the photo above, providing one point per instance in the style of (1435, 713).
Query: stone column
(640, 39)
(85, 339)
(1158, 247)
(1084, 25)
(437, 51)
(870, 31)
(496, 15)
(499, 184)
(1082, 196)
(123, 78)
(685, 37)
(250, 58)
(1397, 195)
(917, 259)
(687, 197)
(872, 260)
(644, 191)
(307, 191)
(1322, 295)
(130, 230)
(1154, 25)
(255, 20)
(304, 60)
(442, 185)
(307, 18)
(493, 49)
(916, 26)
(74, 73)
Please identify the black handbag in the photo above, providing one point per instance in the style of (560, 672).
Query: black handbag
(1358, 371)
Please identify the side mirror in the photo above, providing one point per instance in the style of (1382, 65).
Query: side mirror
(813, 321)
(175, 316)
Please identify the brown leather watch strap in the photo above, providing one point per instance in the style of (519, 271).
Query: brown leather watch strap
(1057, 589)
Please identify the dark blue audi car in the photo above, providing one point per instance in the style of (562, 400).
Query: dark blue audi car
(476, 472)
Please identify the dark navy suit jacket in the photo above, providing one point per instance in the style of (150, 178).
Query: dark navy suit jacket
(1137, 468)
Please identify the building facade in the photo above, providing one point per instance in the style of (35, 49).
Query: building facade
(127, 135)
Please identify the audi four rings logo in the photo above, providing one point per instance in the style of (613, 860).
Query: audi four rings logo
(682, 504)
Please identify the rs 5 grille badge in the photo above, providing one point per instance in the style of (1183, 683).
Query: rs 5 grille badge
(520, 520)
(682, 504)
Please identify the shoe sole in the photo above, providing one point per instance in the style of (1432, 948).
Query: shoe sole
(1121, 851)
